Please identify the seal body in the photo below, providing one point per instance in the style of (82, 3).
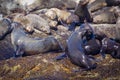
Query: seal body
(111, 47)
(26, 45)
(76, 52)
(92, 47)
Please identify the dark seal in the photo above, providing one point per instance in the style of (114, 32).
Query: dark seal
(110, 46)
(4, 27)
(29, 46)
(75, 51)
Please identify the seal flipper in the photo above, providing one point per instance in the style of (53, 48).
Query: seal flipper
(115, 55)
(19, 51)
(94, 59)
(61, 56)
(102, 52)
(72, 26)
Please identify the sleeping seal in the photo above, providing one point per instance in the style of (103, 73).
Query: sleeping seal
(29, 46)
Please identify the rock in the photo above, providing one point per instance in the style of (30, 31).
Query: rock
(72, 18)
(118, 20)
(104, 17)
(96, 5)
(117, 11)
(9, 6)
(51, 14)
(113, 2)
(32, 21)
(53, 24)
(118, 29)
(108, 29)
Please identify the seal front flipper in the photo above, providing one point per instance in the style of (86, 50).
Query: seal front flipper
(61, 56)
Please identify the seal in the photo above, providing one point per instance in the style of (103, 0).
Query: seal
(92, 47)
(75, 51)
(29, 46)
(110, 46)
(87, 29)
(4, 27)
(82, 11)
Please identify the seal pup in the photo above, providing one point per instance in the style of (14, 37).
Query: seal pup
(29, 46)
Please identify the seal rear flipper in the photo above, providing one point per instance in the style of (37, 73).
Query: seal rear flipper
(61, 56)
(19, 51)
(94, 59)
(115, 55)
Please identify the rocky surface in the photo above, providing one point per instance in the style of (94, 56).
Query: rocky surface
(43, 67)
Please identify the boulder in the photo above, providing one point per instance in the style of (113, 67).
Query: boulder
(104, 17)
(108, 29)
(7, 6)
(113, 2)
